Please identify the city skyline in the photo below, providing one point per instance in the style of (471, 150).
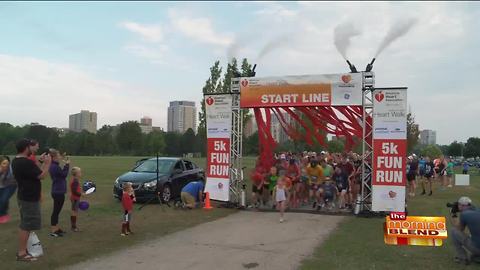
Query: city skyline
(152, 50)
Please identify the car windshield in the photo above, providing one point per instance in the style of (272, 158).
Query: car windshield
(164, 166)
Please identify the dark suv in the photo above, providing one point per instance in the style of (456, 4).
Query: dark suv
(173, 175)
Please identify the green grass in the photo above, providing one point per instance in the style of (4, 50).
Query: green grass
(358, 242)
(101, 223)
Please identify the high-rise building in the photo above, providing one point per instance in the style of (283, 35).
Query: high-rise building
(146, 121)
(146, 124)
(182, 115)
(278, 133)
(85, 120)
(250, 127)
(428, 137)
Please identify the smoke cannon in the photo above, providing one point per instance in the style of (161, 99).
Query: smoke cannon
(353, 69)
(253, 73)
(370, 66)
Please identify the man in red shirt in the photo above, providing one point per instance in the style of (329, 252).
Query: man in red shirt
(348, 169)
(34, 146)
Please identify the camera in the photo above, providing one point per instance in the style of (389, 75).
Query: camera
(454, 208)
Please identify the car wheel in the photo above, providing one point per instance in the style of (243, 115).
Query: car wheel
(166, 193)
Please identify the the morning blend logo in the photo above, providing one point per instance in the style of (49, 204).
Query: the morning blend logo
(416, 231)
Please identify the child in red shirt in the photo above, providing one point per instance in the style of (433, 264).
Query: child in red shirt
(128, 197)
(75, 194)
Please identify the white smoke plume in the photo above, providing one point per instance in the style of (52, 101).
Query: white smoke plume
(398, 29)
(273, 44)
(342, 35)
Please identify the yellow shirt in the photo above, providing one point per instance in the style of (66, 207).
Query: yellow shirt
(315, 174)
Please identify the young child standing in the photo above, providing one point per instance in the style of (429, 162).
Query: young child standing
(128, 197)
(280, 196)
(75, 194)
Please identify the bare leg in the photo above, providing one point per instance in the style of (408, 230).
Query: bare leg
(22, 241)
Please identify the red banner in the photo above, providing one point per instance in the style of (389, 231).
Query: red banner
(389, 162)
(218, 158)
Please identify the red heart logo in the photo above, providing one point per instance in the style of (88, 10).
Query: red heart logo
(210, 101)
(346, 78)
(379, 96)
(392, 194)
(245, 83)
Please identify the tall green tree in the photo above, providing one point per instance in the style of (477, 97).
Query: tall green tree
(431, 151)
(173, 144)
(187, 141)
(472, 147)
(212, 85)
(455, 149)
(129, 137)
(412, 132)
(154, 143)
(105, 142)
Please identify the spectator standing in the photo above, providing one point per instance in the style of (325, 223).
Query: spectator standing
(8, 185)
(59, 188)
(466, 166)
(28, 176)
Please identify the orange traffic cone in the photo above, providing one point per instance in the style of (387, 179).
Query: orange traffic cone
(207, 201)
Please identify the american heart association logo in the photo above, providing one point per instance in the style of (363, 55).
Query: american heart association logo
(379, 96)
(346, 78)
(392, 194)
(210, 101)
(220, 186)
(245, 83)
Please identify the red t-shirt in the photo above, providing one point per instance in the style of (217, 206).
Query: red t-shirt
(347, 168)
(33, 158)
(293, 172)
(75, 190)
(127, 202)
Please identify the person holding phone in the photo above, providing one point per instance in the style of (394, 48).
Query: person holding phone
(59, 188)
(28, 176)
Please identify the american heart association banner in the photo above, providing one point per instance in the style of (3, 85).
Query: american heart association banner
(389, 149)
(219, 129)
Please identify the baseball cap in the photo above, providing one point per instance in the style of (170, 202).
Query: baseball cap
(464, 201)
(22, 145)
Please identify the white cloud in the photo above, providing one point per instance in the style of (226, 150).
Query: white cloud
(154, 54)
(52, 91)
(199, 29)
(150, 33)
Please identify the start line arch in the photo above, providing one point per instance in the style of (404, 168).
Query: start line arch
(341, 104)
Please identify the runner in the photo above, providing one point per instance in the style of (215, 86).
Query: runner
(450, 172)
(421, 167)
(412, 166)
(315, 175)
(429, 175)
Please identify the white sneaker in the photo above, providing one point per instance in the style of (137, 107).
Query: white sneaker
(282, 220)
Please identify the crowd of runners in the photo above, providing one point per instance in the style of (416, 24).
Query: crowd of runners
(324, 180)
(333, 180)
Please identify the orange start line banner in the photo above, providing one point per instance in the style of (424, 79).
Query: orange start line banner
(305, 90)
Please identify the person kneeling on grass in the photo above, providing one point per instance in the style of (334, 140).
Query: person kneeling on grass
(128, 197)
(469, 218)
(192, 193)
(75, 194)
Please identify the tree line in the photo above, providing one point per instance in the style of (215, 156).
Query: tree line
(125, 139)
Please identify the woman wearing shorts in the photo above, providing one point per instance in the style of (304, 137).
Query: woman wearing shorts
(428, 176)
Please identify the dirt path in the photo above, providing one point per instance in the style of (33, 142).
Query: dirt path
(246, 240)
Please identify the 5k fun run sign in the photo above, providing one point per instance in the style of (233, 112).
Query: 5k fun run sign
(219, 129)
(389, 149)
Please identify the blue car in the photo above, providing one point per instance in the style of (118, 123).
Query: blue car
(173, 175)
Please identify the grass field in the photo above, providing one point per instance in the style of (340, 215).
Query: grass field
(358, 242)
(101, 223)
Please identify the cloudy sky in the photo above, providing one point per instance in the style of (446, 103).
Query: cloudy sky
(125, 60)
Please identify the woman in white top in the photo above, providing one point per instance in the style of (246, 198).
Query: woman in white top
(280, 195)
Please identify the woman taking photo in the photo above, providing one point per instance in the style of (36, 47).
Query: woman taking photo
(8, 185)
(59, 188)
